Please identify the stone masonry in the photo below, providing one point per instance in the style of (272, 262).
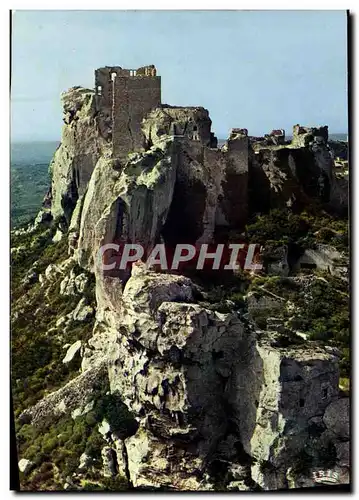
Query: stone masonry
(123, 98)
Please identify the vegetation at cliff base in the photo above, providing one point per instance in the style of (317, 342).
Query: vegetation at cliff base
(36, 336)
(55, 451)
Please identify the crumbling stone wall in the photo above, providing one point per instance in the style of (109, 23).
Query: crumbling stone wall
(123, 99)
(192, 123)
(276, 137)
(134, 98)
(235, 185)
(302, 136)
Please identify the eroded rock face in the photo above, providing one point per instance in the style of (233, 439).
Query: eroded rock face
(82, 311)
(191, 375)
(286, 177)
(304, 136)
(211, 184)
(71, 352)
(170, 363)
(182, 188)
(290, 392)
(343, 453)
(192, 214)
(77, 393)
(191, 122)
(276, 260)
(212, 187)
(81, 147)
(156, 463)
(295, 174)
(130, 205)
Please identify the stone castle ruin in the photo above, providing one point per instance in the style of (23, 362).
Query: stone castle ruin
(129, 108)
(123, 98)
(202, 384)
(131, 118)
(213, 189)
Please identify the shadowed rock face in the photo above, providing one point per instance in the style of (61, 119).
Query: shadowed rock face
(286, 177)
(190, 122)
(295, 174)
(185, 218)
(204, 387)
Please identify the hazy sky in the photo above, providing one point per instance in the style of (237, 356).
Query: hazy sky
(259, 70)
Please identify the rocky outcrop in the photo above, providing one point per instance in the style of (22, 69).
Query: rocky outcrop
(202, 188)
(343, 453)
(295, 174)
(210, 391)
(75, 159)
(211, 184)
(25, 465)
(73, 283)
(336, 418)
(109, 462)
(304, 136)
(262, 304)
(190, 122)
(285, 177)
(194, 193)
(77, 393)
(72, 351)
(276, 395)
(324, 257)
(82, 311)
(170, 365)
(127, 206)
(191, 376)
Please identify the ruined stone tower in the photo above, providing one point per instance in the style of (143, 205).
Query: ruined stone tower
(123, 99)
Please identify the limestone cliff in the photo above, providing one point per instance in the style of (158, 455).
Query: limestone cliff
(217, 400)
(75, 159)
